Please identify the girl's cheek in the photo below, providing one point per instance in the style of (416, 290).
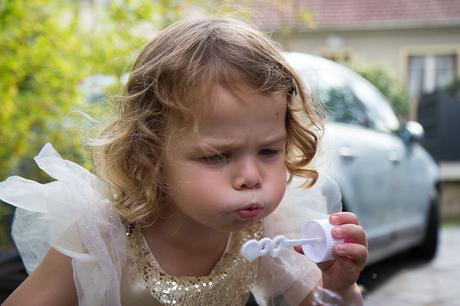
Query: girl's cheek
(279, 188)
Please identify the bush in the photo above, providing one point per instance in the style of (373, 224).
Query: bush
(40, 70)
(45, 55)
(453, 88)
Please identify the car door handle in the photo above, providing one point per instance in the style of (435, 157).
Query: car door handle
(346, 154)
(395, 158)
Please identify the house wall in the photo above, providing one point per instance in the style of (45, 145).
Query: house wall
(388, 48)
(450, 190)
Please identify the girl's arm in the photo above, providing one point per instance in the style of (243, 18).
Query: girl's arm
(51, 283)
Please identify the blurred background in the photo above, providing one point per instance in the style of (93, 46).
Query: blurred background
(62, 64)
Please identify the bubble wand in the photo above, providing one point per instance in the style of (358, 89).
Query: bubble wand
(316, 238)
(317, 243)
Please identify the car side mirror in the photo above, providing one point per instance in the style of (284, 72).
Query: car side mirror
(412, 132)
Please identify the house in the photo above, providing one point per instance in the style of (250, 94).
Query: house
(417, 40)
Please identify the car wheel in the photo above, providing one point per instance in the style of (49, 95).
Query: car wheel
(427, 249)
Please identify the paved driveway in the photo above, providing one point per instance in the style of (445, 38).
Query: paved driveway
(401, 281)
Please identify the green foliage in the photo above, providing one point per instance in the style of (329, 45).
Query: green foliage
(45, 54)
(389, 85)
(453, 88)
(39, 71)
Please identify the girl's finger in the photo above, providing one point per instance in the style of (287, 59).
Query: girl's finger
(343, 218)
(350, 233)
(357, 253)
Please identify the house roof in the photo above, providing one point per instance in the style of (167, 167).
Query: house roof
(355, 14)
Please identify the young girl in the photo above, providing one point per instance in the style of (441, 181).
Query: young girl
(192, 167)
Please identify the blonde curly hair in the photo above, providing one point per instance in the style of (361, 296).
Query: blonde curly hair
(182, 63)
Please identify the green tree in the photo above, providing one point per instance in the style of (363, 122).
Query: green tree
(39, 69)
(45, 53)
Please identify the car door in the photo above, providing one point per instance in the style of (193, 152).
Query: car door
(397, 198)
(361, 161)
(359, 149)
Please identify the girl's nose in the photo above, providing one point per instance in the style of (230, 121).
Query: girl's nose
(247, 175)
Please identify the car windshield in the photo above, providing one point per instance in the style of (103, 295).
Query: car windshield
(377, 106)
(343, 92)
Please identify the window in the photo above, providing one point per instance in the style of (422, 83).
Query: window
(330, 87)
(378, 109)
(429, 72)
(342, 106)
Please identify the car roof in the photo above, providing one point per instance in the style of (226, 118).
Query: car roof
(309, 60)
(304, 61)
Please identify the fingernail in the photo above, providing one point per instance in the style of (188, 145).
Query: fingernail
(340, 248)
(337, 232)
(333, 219)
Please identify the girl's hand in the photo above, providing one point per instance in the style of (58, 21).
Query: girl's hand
(350, 256)
(341, 274)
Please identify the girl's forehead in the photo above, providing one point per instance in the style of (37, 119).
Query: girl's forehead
(243, 106)
(224, 104)
(240, 93)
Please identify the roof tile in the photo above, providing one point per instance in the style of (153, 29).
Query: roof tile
(356, 13)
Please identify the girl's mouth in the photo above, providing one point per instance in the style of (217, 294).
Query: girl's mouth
(251, 211)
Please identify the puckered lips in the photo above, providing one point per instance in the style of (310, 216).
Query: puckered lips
(251, 211)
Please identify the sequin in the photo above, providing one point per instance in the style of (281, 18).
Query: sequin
(129, 229)
(229, 282)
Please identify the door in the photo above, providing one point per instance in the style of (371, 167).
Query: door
(361, 158)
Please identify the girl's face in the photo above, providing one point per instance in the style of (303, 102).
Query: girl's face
(232, 173)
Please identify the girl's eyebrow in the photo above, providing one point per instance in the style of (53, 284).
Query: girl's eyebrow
(275, 139)
(225, 145)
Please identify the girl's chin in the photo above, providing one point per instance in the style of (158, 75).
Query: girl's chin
(242, 224)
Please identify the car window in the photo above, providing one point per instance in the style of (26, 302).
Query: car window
(336, 96)
(342, 106)
(378, 109)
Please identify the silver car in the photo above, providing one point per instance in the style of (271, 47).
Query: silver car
(386, 177)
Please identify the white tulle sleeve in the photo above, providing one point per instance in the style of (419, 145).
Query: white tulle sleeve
(290, 277)
(72, 215)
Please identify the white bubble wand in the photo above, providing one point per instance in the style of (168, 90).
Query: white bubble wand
(316, 238)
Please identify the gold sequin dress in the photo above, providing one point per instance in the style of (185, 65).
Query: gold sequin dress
(229, 283)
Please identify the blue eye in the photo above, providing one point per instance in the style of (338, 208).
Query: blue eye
(216, 159)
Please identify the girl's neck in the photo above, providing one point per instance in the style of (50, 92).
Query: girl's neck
(185, 248)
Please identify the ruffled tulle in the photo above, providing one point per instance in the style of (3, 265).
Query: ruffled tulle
(72, 215)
